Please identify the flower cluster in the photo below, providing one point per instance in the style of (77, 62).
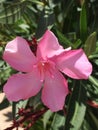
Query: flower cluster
(43, 70)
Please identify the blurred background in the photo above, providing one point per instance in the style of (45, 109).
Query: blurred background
(75, 23)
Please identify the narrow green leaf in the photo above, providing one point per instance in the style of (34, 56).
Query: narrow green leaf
(92, 119)
(17, 105)
(10, 12)
(67, 6)
(83, 22)
(93, 80)
(91, 86)
(46, 118)
(90, 44)
(94, 56)
(77, 43)
(77, 108)
(1, 1)
(46, 20)
(58, 122)
(86, 125)
(36, 2)
(95, 120)
(62, 39)
(1, 63)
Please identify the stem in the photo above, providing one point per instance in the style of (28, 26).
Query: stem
(34, 116)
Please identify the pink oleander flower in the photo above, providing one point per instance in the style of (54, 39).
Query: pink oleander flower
(43, 71)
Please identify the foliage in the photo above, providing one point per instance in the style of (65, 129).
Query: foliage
(75, 25)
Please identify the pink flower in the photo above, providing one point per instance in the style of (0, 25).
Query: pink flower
(43, 71)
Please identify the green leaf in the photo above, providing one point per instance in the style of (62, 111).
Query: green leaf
(10, 12)
(62, 39)
(77, 43)
(46, 20)
(58, 121)
(1, 1)
(17, 105)
(86, 125)
(91, 86)
(90, 44)
(1, 63)
(35, 101)
(91, 120)
(93, 80)
(83, 22)
(67, 6)
(46, 118)
(77, 108)
(53, 3)
(94, 119)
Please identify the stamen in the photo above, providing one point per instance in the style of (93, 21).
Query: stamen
(45, 67)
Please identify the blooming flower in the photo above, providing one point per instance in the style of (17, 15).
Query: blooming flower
(44, 69)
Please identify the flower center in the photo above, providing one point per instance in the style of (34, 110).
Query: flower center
(45, 67)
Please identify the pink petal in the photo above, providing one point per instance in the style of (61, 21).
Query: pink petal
(74, 63)
(23, 86)
(18, 54)
(54, 91)
(49, 46)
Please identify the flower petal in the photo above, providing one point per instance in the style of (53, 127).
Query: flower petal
(49, 46)
(23, 86)
(54, 91)
(74, 63)
(18, 54)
